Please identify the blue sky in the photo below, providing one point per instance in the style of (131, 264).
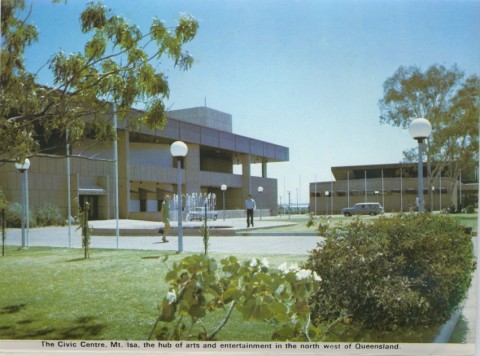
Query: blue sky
(306, 74)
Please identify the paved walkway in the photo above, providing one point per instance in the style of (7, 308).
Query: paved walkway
(242, 240)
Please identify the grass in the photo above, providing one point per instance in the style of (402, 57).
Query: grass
(53, 293)
(469, 220)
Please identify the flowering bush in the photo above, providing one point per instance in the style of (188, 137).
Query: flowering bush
(405, 271)
(200, 285)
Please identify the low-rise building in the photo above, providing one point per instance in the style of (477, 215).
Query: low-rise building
(147, 171)
(394, 186)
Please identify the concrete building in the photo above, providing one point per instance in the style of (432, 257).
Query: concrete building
(147, 171)
(394, 186)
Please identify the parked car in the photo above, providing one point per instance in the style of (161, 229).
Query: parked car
(199, 214)
(364, 209)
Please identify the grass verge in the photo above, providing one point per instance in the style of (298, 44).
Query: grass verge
(53, 293)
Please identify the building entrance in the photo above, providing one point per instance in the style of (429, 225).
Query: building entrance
(93, 201)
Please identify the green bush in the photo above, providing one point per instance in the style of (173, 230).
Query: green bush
(470, 209)
(45, 215)
(407, 271)
(13, 215)
(49, 215)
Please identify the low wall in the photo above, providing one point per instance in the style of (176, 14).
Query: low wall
(229, 214)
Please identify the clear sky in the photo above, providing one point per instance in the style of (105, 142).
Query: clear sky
(306, 74)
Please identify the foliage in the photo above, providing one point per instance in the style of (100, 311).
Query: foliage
(205, 234)
(119, 63)
(86, 229)
(200, 285)
(470, 209)
(3, 206)
(44, 215)
(3, 200)
(13, 216)
(49, 215)
(451, 104)
(406, 271)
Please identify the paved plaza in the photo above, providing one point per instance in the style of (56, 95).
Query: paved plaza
(230, 236)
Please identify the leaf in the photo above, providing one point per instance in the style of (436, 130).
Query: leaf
(232, 293)
(301, 307)
(278, 309)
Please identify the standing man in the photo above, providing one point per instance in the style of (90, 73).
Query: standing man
(250, 206)
(165, 216)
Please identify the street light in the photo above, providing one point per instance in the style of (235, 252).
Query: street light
(327, 193)
(420, 129)
(289, 204)
(223, 187)
(23, 169)
(179, 150)
(260, 191)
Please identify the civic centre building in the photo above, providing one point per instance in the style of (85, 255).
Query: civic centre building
(147, 171)
(394, 186)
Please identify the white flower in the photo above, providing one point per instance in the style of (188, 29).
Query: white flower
(171, 297)
(253, 262)
(287, 269)
(316, 277)
(265, 263)
(283, 267)
(303, 274)
(294, 268)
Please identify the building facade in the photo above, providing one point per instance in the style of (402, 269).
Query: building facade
(147, 171)
(394, 186)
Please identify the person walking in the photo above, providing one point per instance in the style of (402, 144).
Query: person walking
(165, 216)
(250, 206)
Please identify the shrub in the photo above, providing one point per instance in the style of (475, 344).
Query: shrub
(13, 215)
(406, 271)
(470, 209)
(48, 215)
(200, 286)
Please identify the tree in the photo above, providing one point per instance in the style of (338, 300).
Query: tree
(118, 64)
(449, 102)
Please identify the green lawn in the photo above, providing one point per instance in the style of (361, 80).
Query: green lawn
(50, 293)
(470, 220)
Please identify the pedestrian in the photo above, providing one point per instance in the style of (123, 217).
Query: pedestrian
(165, 216)
(250, 206)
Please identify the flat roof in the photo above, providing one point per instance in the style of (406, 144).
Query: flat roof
(210, 137)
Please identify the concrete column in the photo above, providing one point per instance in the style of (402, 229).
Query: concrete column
(264, 169)
(123, 173)
(246, 175)
(192, 169)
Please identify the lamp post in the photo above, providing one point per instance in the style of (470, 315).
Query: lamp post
(179, 150)
(23, 169)
(223, 187)
(260, 191)
(327, 193)
(289, 192)
(69, 203)
(420, 129)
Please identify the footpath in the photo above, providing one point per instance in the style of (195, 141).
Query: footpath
(230, 236)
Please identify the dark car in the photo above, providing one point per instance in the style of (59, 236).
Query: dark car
(364, 209)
